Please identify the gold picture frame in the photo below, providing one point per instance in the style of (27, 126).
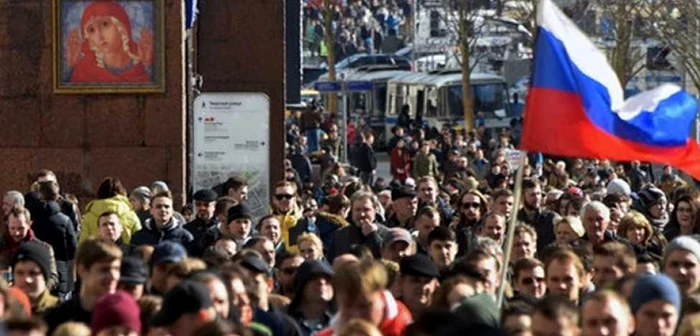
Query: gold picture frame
(108, 46)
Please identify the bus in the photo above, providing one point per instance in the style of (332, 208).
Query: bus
(366, 90)
(436, 98)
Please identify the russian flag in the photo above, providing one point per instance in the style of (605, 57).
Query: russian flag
(576, 106)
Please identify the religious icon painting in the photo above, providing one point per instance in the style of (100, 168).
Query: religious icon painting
(108, 46)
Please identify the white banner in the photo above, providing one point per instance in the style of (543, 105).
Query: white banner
(232, 138)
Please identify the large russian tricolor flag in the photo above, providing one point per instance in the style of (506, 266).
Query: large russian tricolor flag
(576, 106)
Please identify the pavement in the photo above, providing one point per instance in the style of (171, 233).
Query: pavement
(383, 169)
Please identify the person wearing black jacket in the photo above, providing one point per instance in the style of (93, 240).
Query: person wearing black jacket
(95, 256)
(163, 225)
(365, 160)
(56, 229)
(363, 230)
(205, 206)
(533, 214)
(311, 306)
(67, 207)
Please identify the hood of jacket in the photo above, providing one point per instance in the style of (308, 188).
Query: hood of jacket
(47, 209)
(174, 223)
(118, 204)
(336, 220)
(306, 273)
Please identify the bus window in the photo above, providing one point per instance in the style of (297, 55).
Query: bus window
(432, 105)
(486, 98)
(380, 99)
(420, 102)
(454, 101)
(489, 98)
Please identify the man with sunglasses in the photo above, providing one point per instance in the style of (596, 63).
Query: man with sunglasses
(206, 219)
(529, 278)
(288, 265)
(284, 206)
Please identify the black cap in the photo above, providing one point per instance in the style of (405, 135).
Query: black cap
(36, 252)
(310, 268)
(398, 192)
(133, 271)
(419, 265)
(255, 264)
(185, 298)
(205, 195)
(237, 212)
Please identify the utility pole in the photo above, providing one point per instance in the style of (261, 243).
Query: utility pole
(330, 50)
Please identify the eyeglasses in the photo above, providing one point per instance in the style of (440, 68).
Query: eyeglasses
(280, 197)
(289, 270)
(468, 205)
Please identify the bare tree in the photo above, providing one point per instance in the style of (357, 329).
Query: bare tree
(625, 24)
(677, 24)
(464, 21)
(328, 7)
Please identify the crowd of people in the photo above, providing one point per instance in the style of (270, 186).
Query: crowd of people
(362, 26)
(599, 248)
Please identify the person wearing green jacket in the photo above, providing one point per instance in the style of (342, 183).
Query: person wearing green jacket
(424, 163)
(111, 196)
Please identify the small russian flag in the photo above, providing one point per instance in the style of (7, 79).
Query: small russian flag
(190, 13)
(576, 105)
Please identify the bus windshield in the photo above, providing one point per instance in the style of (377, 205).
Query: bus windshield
(487, 98)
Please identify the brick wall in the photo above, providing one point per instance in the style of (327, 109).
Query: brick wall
(83, 138)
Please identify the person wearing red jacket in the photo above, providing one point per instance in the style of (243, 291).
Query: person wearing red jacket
(360, 288)
(400, 161)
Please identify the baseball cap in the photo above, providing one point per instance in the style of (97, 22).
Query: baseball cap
(394, 235)
(255, 264)
(168, 252)
(187, 297)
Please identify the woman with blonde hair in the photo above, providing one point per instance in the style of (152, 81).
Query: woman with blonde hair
(567, 229)
(310, 246)
(636, 228)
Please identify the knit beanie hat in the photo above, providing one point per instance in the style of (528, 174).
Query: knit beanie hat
(34, 251)
(618, 186)
(650, 196)
(654, 287)
(237, 212)
(142, 193)
(118, 309)
(685, 243)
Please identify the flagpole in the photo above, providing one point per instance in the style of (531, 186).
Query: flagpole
(517, 194)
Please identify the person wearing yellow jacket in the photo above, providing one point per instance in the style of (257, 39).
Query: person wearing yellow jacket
(284, 207)
(111, 196)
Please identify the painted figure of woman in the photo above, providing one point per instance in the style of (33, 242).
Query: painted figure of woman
(102, 50)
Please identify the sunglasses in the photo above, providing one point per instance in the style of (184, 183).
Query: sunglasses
(468, 205)
(280, 197)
